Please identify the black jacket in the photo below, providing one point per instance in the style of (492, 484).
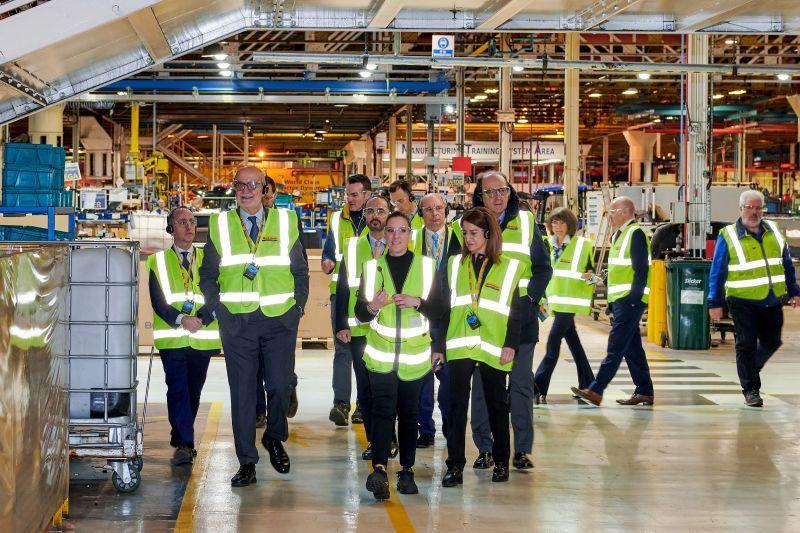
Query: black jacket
(541, 270)
(233, 323)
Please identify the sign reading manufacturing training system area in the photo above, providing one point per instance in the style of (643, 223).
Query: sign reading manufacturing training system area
(481, 152)
(442, 46)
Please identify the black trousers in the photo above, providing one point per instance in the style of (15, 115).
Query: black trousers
(758, 336)
(563, 328)
(363, 388)
(393, 397)
(185, 372)
(497, 402)
(271, 340)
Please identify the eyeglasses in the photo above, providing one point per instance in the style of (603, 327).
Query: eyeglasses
(434, 209)
(375, 211)
(356, 194)
(500, 192)
(401, 201)
(556, 222)
(756, 208)
(398, 231)
(239, 186)
(185, 222)
(615, 211)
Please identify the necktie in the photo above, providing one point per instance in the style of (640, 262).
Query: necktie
(378, 251)
(253, 227)
(616, 235)
(558, 251)
(435, 247)
(185, 261)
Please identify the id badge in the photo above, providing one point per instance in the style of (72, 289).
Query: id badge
(187, 307)
(251, 271)
(473, 321)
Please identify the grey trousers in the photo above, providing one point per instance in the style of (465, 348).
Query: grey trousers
(521, 395)
(342, 363)
(273, 341)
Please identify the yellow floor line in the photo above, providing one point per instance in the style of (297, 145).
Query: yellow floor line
(394, 507)
(200, 470)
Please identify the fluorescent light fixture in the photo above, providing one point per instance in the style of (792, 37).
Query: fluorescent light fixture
(737, 92)
(480, 97)
(449, 109)
(223, 66)
(122, 93)
(784, 76)
(522, 120)
(517, 68)
(365, 73)
(657, 120)
(225, 73)
(718, 96)
(202, 136)
(630, 91)
(730, 41)
(339, 105)
(358, 96)
(643, 75)
(491, 90)
(220, 57)
(595, 95)
(372, 66)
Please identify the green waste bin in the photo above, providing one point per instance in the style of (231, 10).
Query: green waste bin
(688, 324)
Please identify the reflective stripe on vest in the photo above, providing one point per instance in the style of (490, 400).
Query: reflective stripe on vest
(524, 244)
(755, 268)
(169, 295)
(180, 333)
(473, 342)
(620, 266)
(567, 291)
(336, 219)
(227, 258)
(388, 357)
(491, 305)
(743, 263)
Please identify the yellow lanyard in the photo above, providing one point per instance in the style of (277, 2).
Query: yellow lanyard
(186, 275)
(475, 286)
(253, 245)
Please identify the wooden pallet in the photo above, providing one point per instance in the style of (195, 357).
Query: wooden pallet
(314, 343)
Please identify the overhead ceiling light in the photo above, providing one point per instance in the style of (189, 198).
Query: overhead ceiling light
(365, 73)
(320, 131)
(480, 97)
(522, 120)
(595, 95)
(643, 75)
(718, 96)
(261, 153)
(202, 136)
(223, 66)
(339, 105)
(372, 66)
(319, 137)
(737, 92)
(730, 41)
(517, 68)
(449, 109)
(784, 76)
(220, 57)
(491, 90)
(122, 93)
(630, 91)
(657, 120)
(225, 73)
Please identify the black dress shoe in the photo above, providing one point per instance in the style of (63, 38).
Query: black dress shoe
(425, 440)
(405, 482)
(378, 484)
(357, 417)
(340, 413)
(394, 449)
(245, 476)
(752, 398)
(500, 473)
(483, 462)
(453, 477)
(277, 455)
(293, 404)
(522, 461)
(182, 456)
(261, 420)
(367, 453)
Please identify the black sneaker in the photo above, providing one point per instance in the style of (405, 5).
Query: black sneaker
(753, 399)
(357, 417)
(405, 482)
(340, 413)
(378, 484)
(367, 453)
(182, 456)
(425, 440)
(293, 404)
(522, 461)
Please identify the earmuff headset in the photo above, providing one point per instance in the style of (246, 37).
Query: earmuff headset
(170, 227)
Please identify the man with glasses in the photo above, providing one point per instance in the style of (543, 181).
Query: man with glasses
(752, 268)
(402, 198)
(522, 241)
(184, 332)
(349, 330)
(434, 240)
(628, 287)
(344, 224)
(255, 280)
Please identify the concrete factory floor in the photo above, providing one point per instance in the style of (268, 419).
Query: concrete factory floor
(698, 461)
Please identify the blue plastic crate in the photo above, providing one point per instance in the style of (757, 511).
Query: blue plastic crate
(33, 156)
(32, 199)
(66, 199)
(33, 179)
(26, 233)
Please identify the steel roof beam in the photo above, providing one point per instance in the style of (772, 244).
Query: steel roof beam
(146, 26)
(726, 11)
(23, 88)
(386, 13)
(269, 99)
(509, 10)
(600, 12)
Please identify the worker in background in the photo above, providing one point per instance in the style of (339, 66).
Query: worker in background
(255, 279)
(268, 201)
(349, 330)
(434, 240)
(184, 331)
(522, 241)
(349, 222)
(628, 289)
(395, 300)
(161, 207)
(569, 293)
(402, 197)
(753, 265)
(482, 334)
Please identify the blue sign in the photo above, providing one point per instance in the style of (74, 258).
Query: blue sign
(442, 46)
